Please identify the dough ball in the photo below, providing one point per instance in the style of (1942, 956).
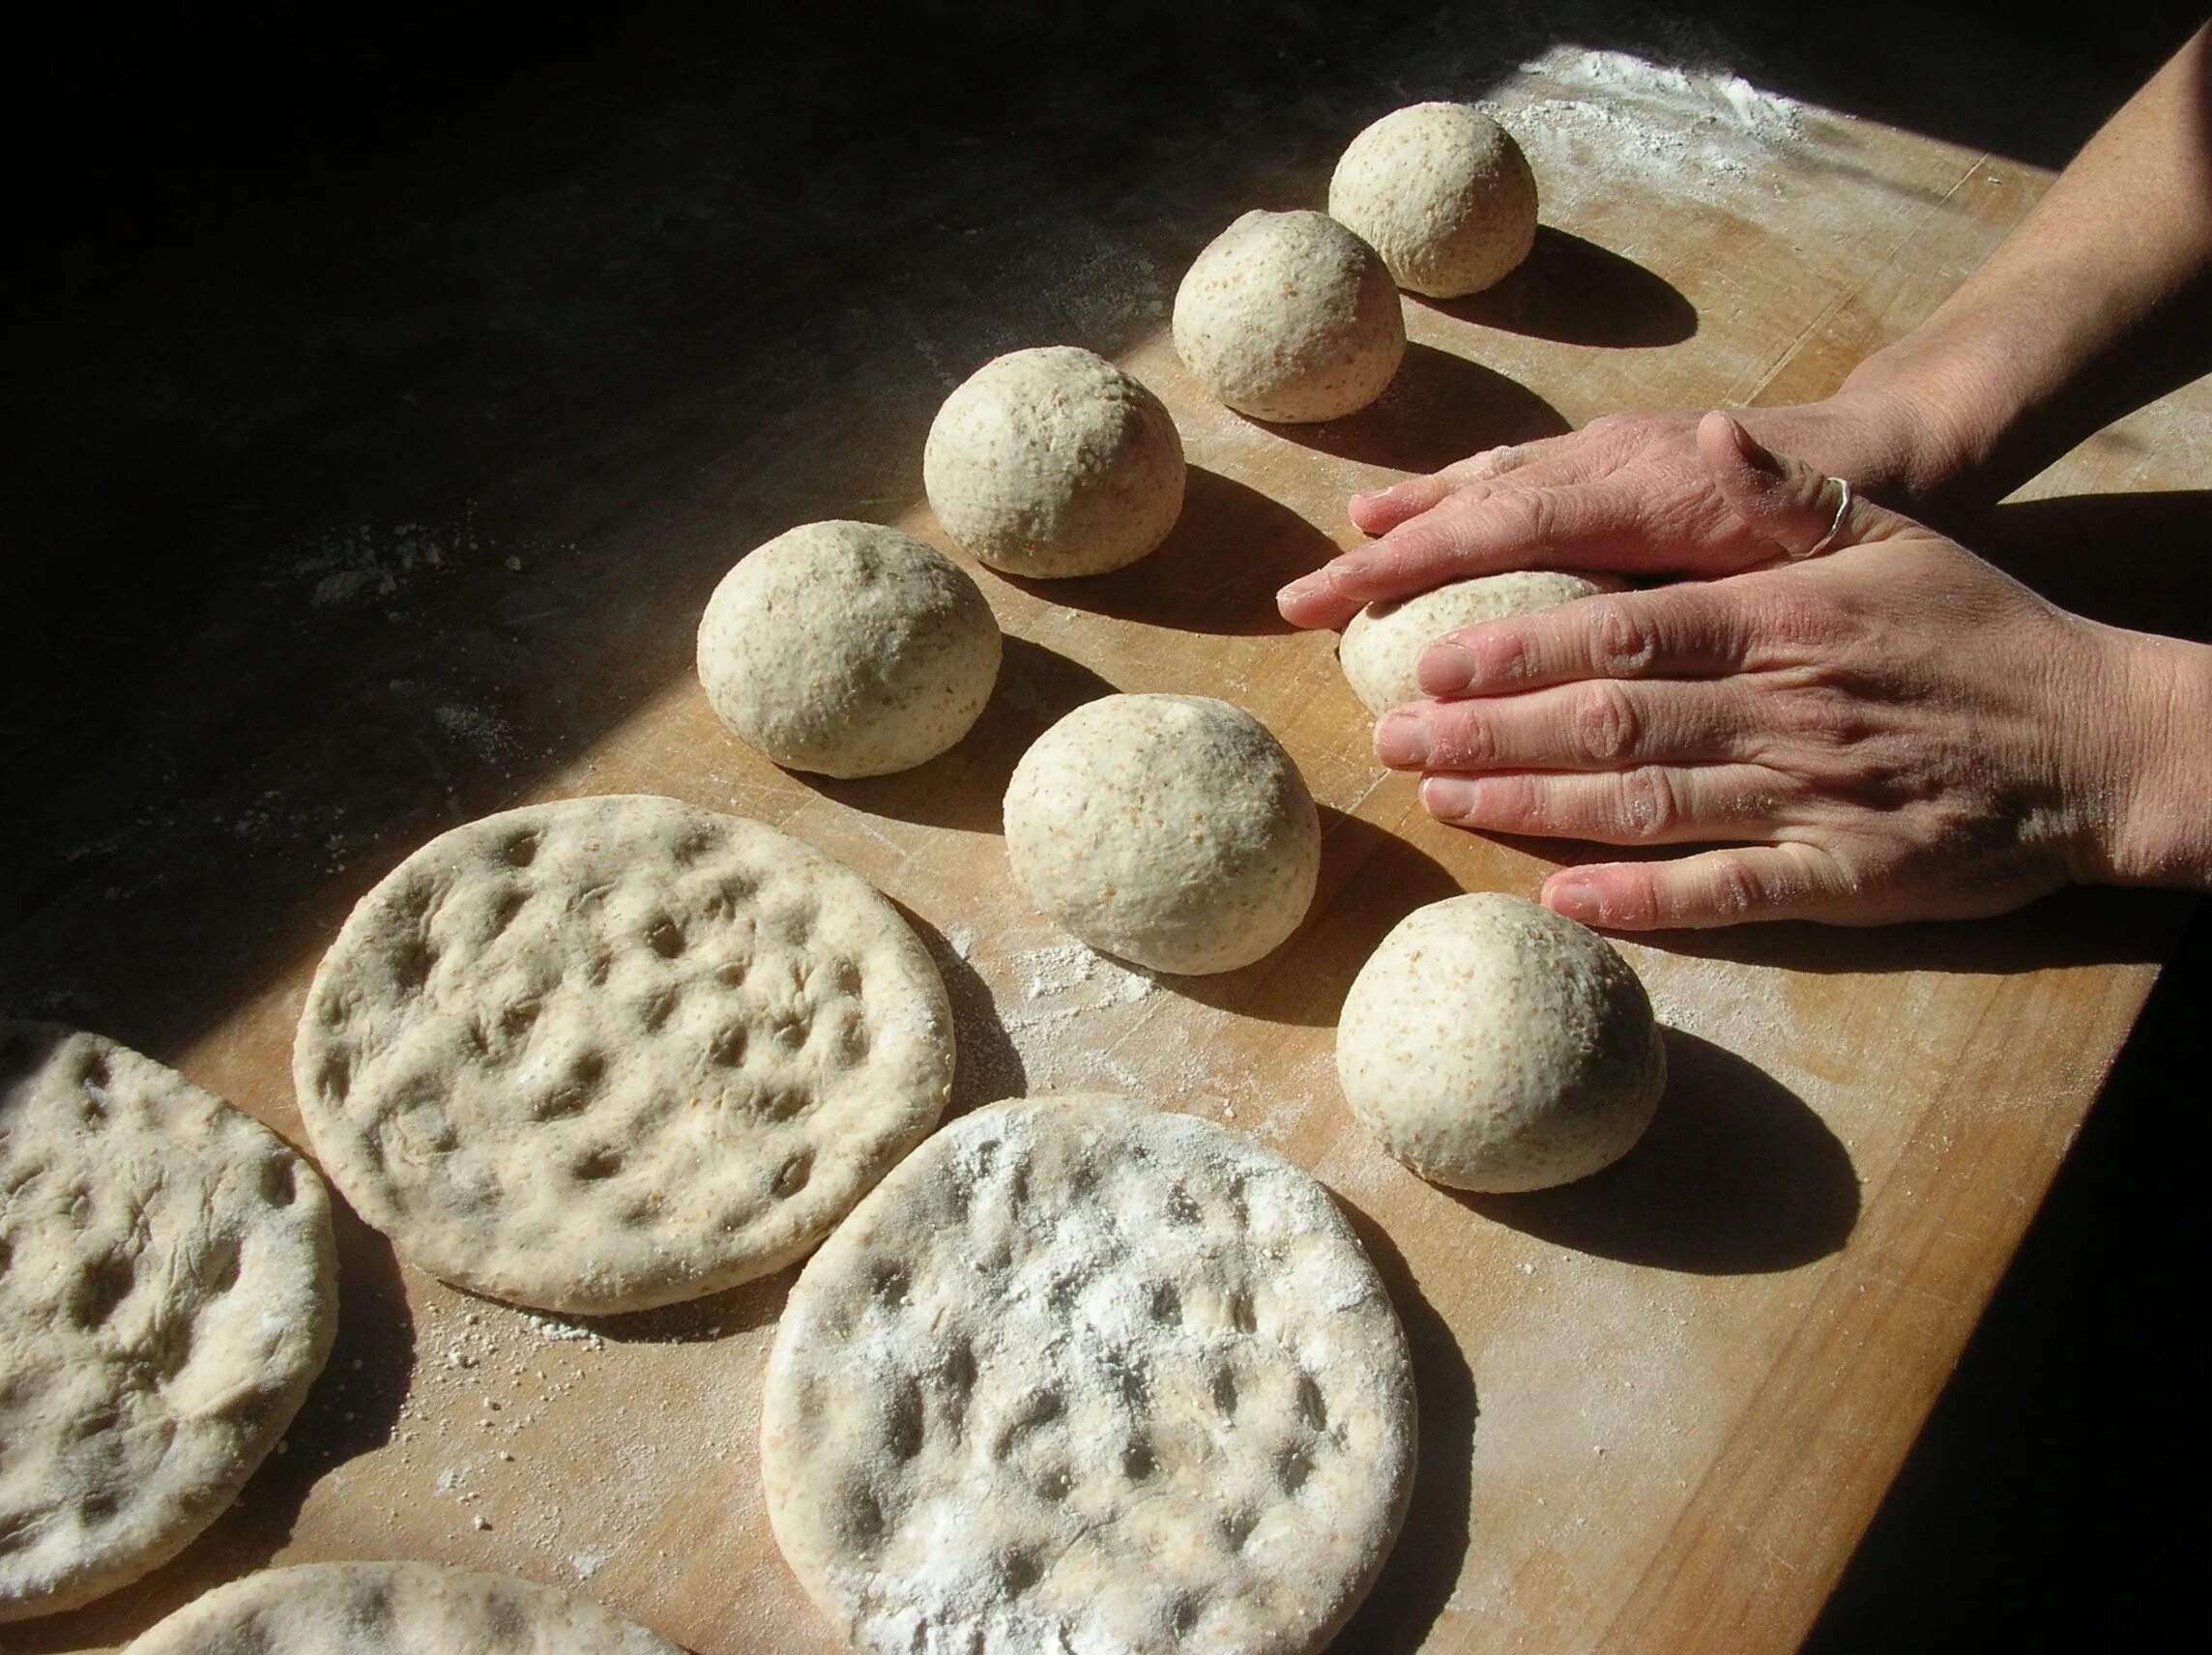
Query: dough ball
(1443, 194)
(1170, 830)
(1054, 462)
(1291, 317)
(1493, 1045)
(1383, 645)
(848, 650)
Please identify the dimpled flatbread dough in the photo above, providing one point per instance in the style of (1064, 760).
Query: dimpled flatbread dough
(1289, 317)
(1084, 1375)
(848, 650)
(1053, 462)
(1491, 1044)
(1171, 829)
(168, 1292)
(392, 1608)
(1383, 646)
(1443, 194)
(612, 1053)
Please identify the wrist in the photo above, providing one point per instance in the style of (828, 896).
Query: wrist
(2149, 820)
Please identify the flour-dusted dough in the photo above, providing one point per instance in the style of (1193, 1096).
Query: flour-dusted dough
(1291, 317)
(392, 1608)
(1443, 194)
(1493, 1045)
(1054, 462)
(1383, 646)
(1083, 1375)
(168, 1292)
(848, 650)
(612, 1053)
(1170, 830)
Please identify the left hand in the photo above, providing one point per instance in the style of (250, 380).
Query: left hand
(1892, 731)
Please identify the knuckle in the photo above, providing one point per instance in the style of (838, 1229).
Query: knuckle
(1648, 806)
(1733, 889)
(1464, 738)
(1623, 643)
(1607, 724)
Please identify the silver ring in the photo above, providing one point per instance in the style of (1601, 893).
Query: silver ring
(1843, 511)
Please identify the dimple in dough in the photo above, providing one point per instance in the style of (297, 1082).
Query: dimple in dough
(612, 1053)
(1172, 831)
(848, 650)
(1289, 317)
(1053, 462)
(168, 1292)
(1081, 1375)
(1491, 1044)
(1443, 194)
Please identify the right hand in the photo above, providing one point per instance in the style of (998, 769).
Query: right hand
(1629, 492)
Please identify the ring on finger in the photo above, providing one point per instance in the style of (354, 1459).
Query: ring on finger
(1836, 525)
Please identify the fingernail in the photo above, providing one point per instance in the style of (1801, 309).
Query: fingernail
(1444, 669)
(1573, 898)
(1447, 796)
(1402, 741)
(1300, 588)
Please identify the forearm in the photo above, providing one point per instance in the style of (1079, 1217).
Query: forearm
(2151, 823)
(2100, 300)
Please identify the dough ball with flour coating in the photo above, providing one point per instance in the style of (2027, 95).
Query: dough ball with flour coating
(848, 650)
(1382, 647)
(1493, 1045)
(1443, 194)
(1289, 317)
(1170, 830)
(1054, 462)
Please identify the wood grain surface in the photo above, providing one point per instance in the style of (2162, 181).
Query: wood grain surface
(1657, 1406)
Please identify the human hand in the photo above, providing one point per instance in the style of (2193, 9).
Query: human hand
(1892, 731)
(1629, 492)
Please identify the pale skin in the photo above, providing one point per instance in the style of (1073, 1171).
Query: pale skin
(1875, 724)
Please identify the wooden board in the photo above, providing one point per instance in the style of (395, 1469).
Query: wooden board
(1657, 1407)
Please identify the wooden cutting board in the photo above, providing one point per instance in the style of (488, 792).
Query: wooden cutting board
(1658, 1407)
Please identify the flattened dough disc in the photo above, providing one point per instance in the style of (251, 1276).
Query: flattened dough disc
(168, 1292)
(1081, 1375)
(611, 1053)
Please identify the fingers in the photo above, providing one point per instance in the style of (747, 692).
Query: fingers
(1782, 500)
(1378, 511)
(1604, 724)
(1681, 630)
(1714, 888)
(1651, 804)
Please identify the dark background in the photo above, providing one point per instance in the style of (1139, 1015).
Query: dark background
(269, 274)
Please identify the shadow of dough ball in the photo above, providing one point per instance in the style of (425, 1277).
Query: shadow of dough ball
(1053, 462)
(848, 650)
(1289, 317)
(1491, 1044)
(1169, 830)
(1443, 194)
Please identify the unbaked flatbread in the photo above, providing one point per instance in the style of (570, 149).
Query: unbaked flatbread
(1084, 1375)
(392, 1608)
(168, 1292)
(612, 1053)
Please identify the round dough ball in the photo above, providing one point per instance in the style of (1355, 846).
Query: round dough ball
(1289, 317)
(1383, 646)
(1443, 194)
(1493, 1045)
(1054, 462)
(848, 650)
(1170, 830)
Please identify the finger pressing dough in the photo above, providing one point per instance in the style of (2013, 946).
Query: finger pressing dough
(1054, 462)
(1491, 1044)
(848, 650)
(1290, 316)
(1080, 1375)
(392, 1608)
(612, 1053)
(1443, 194)
(1170, 830)
(168, 1292)
(1383, 646)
